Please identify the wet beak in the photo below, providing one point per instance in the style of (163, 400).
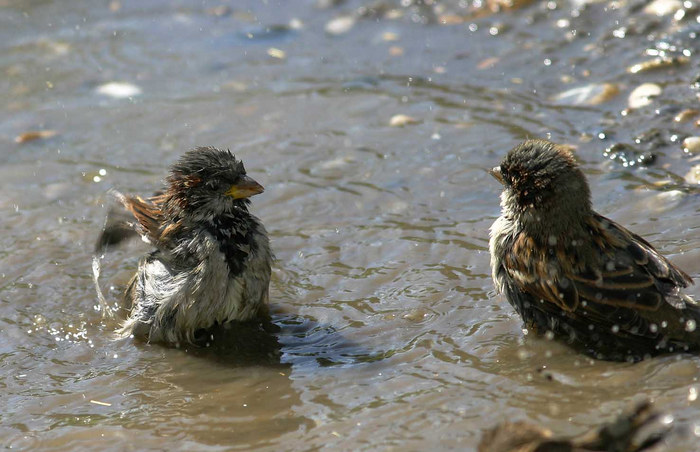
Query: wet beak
(496, 173)
(245, 188)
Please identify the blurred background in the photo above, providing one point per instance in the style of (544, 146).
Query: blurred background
(370, 123)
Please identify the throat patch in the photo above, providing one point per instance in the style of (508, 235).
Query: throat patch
(235, 236)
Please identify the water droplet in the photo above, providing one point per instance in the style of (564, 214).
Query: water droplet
(690, 325)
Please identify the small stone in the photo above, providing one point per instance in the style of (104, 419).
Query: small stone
(643, 95)
(340, 25)
(663, 7)
(691, 145)
(693, 176)
(594, 94)
(390, 36)
(218, 11)
(395, 51)
(118, 90)
(487, 63)
(276, 53)
(506, 5)
(686, 115)
(450, 19)
(402, 120)
(657, 63)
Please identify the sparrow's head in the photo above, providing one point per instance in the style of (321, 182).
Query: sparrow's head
(210, 178)
(542, 180)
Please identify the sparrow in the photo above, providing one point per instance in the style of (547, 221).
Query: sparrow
(635, 431)
(575, 275)
(211, 261)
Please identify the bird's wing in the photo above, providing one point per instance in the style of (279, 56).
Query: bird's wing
(147, 213)
(625, 271)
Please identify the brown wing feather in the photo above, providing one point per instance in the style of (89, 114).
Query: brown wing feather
(627, 273)
(148, 215)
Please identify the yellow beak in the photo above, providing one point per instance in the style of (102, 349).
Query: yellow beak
(245, 188)
(496, 173)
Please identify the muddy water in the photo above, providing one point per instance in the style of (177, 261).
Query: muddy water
(389, 334)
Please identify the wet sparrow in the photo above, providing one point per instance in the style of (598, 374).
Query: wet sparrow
(574, 274)
(211, 262)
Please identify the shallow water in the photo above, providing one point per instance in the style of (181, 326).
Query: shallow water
(390, 333)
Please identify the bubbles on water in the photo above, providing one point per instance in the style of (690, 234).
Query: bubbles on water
(690, 325)
(615, 329)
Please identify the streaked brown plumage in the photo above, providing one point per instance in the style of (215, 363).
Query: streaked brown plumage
(572, 272)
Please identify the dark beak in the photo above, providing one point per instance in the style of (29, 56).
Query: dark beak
(245, 188)
(496, 173)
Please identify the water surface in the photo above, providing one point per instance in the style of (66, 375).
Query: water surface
(390, 333)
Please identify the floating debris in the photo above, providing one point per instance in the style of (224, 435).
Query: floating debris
(628, 155)
(34, 135)
(118, 90)
(594, 94)
(97, 402)
(340, 25)
(402, 120)
(691, 145)
(643, 95)
(658, 63)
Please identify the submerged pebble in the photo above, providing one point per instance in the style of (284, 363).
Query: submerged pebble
(686, 115)
(693, 176)
(691, 145)
(643, 95)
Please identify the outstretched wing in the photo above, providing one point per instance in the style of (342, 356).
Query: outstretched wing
(148, 216)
